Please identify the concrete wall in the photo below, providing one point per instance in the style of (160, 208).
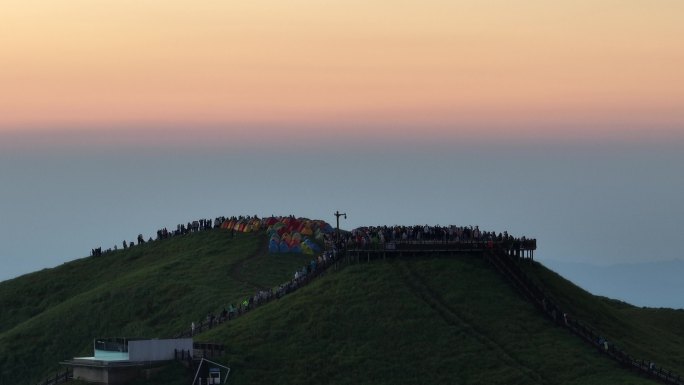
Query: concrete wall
(90, 374)
(106, 375)
(120, 376)
(157, 350)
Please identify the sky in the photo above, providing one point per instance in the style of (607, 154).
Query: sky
(454, 68)
(562, 120)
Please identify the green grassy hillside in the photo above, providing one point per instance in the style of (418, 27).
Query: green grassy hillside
(152, 290)
(436, 320)
(442, 321)
(646, 333)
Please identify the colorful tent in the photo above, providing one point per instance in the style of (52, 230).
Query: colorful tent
(285, 234)
(273, 246)
(284, 247)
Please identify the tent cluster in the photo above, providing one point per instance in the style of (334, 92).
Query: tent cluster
(286, 234)
(296, 235)
(243, 224)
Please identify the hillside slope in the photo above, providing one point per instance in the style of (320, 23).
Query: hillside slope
(651, 334)
(434, 320)
(446, 321)
(151, 290)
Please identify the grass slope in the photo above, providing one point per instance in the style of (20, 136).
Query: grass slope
(152, 290)
(445, 321)
(645, 333)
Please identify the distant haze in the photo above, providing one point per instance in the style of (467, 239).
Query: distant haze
(602, 203)
(651, 284)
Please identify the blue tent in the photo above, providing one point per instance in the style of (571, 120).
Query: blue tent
(273, 246)
(313, 245)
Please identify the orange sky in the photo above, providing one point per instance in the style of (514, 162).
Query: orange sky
(451, 67)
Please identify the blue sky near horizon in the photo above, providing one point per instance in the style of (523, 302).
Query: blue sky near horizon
(650, 284)
(593, 203)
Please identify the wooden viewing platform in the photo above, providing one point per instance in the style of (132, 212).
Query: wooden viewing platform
(517, 248)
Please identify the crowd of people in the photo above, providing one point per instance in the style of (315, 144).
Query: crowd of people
(374, 235)
(304, 275)
(301, 277)
(191, 227)
(164, 233)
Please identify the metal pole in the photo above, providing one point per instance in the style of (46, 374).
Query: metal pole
(197, 373)
(338, 214)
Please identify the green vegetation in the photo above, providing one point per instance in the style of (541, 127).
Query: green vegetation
(152, 290)
(645, 333)
(433, 320)
(406, 322)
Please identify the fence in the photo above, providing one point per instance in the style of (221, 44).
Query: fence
(508, 267)
(504, 256)
(59, 378)
(285, 288)
(522, 248)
